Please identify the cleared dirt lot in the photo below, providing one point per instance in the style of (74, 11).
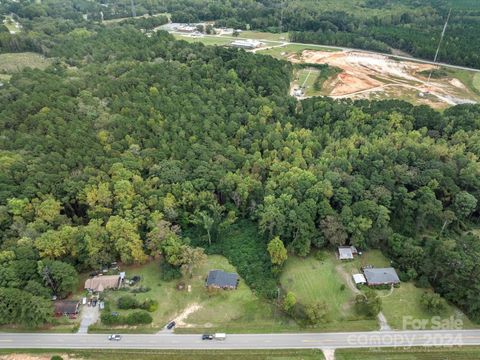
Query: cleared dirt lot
(375, 76)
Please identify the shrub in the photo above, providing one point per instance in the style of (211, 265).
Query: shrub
(169, 272)
(320, 255)
(149, 305)
(134, 318)
(432, 302)
(56, 357)
(127, 302)
(138, 317)
(140, 289)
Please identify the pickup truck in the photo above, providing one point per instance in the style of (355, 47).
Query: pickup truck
(220, 336)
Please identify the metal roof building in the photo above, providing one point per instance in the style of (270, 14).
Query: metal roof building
(381, 276)
(222, 279)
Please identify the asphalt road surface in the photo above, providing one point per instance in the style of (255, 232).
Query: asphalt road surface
(244, 341)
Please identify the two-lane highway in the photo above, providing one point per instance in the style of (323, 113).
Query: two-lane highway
(243, 341)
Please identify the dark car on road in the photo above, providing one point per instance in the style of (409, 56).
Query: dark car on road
(207, 337)
(171, 325)
(114, 337)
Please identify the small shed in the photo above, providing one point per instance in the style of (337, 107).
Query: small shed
(345, 253)
(359, 279)
(220, 279)
(381, 276)
(66, 307)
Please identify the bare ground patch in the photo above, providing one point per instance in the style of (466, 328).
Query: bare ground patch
(367, 75)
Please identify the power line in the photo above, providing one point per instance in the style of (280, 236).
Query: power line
(439, 44)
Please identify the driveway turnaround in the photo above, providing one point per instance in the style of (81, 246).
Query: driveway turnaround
(243, 341)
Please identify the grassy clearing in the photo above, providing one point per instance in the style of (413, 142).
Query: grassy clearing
(405, 301)
(259, 35)
(286, 51)
(61, 325)
(476, 82)
(207, 40)
(176, 355)
(430, 353)
(312, 280)
(13, 62)
(236, 310)
(11, 25)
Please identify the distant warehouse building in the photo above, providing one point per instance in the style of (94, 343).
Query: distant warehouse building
(246, 44)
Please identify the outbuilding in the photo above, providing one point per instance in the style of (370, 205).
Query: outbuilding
(66, 307)
(347, 252)
(359, 279)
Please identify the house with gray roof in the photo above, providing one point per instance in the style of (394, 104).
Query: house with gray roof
(381, 276)
(220, 279)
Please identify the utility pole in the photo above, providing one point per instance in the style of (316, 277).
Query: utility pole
(134, 12)
(439, 44)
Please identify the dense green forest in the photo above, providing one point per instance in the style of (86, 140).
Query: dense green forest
(412, 26)
(130, 146)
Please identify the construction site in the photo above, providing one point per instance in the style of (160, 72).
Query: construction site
(364, 75)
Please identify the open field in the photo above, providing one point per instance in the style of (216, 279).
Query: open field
(215, 40)
(375, 76)
(207, 40)
(312, 280)
(405, 301)
(163, 354)
(259, 35)
(13, 62)
(431, 353)
(237, 310)
(476, 82)
(284, 52)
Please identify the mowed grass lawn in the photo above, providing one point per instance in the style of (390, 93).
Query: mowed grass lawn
(173, 354)
(264, 35)
(13, 62)
(312, 281)
(225, 310)
(476, 82)
(405, 301)
(430, 353)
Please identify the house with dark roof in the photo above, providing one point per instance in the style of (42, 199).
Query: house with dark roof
(66, 307)
(219, 279)
(381, 276)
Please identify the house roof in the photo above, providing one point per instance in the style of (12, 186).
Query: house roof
(100, 283)
(345, 252)
(381, 276)
(66, 306)
(222, 279)
(359, 279)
